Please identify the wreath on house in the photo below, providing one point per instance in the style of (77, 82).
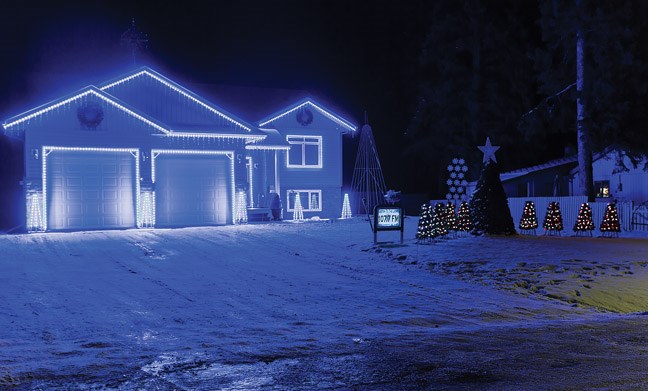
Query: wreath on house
(304, 117)
(90, 115)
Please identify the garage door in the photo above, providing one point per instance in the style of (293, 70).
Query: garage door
(90, 190)
(192, 190)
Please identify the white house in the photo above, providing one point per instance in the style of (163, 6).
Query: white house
(143, 151)
(559, 178)
(611, 180)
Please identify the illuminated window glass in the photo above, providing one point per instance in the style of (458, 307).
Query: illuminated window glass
(602, 189)
(311, 200)
(305, 151)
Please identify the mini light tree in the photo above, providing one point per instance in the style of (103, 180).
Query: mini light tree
(529, 219)
(553, 223)
(346, 207)
(298, 213)
(439, 221)
(241, 208)
(424, 230)
(584, 224)
(611, 226)
(451, 219)
(464, 223)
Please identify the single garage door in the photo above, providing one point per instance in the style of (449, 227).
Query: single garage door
(192, 190)
(90, 190)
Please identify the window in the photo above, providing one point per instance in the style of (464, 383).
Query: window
(602, 189)
(305, 152)
(311, 200)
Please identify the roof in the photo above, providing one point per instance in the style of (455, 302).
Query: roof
(528, 170)
(273, 140)
(255, 103)
(308, 101)
(174, 104)
(178, 111)
(89, 90)
(206, 119)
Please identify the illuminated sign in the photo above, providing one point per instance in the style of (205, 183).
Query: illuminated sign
(388, 218)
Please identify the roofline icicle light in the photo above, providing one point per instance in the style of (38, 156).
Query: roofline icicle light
(178, 90)
(324, 112)
(79, 96)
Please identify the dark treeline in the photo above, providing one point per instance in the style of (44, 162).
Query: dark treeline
(506, 69)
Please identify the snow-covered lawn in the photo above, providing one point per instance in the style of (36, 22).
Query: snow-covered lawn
(309, 306)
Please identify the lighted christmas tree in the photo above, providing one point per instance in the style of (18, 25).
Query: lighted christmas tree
(489, 204)
(451, 217)
(584, 224)
(611, 226)
(464, 223)
(439, 218)
(553, 222)
(529, 219)
(424, 231)
(298, 213)
(346, 207)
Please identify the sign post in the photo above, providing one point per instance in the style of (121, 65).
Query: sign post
(388, 218)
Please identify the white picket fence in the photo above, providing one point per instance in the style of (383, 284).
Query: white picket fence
(569, 207)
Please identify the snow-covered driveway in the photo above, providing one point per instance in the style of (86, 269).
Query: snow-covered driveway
(241, 307)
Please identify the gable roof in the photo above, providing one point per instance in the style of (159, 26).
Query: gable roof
(308, 101)
(89, 90)
(125, 85)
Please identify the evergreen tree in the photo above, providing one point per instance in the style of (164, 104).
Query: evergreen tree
(591, 66)
(451, 217)
(611, 226)
(464, 222)
(439, 221)
(424, 230)
(489, 204)
(462, 68)
(584, 223)
(529, 219)
(553, 222)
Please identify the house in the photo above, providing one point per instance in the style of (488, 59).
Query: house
(560, 177)
(141, 150)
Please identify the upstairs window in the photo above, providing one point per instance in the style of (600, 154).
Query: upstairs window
(305, 152)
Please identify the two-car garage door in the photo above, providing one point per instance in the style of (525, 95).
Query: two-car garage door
(97, 190)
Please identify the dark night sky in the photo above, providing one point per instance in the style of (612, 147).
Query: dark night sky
(362, 55)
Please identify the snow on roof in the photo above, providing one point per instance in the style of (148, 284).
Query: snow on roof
(528, 170)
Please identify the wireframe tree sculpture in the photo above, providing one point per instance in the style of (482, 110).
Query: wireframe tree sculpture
(368, 182)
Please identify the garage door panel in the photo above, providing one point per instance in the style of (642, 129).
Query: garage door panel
(192, 190)
(85, 191)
